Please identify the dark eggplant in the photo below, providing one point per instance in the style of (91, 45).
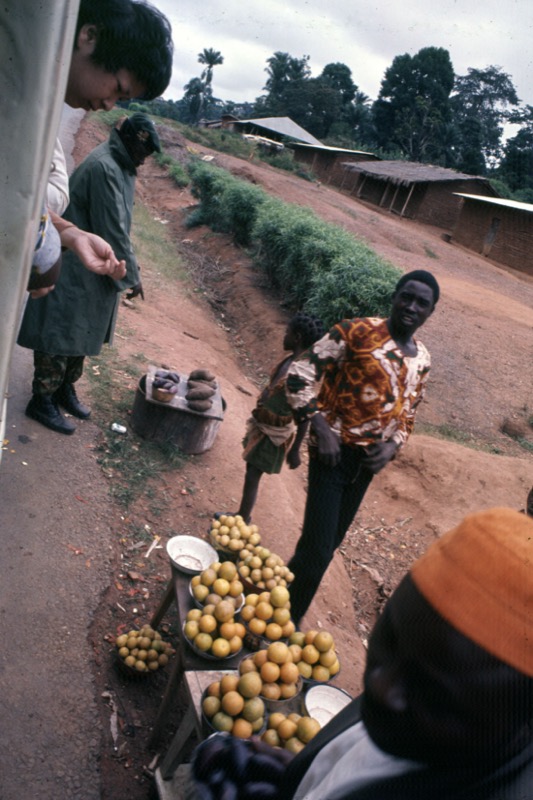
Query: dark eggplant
(239, 754)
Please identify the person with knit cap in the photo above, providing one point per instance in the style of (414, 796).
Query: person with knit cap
(447, 705)
(359, 387)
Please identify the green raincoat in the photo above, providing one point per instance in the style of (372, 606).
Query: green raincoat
(78, 317)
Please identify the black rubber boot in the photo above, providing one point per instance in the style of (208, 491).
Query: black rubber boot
(43, 409)
(66, 396)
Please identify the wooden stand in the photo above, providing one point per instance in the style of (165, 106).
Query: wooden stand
(185, 660)
(192, 431)
(194, 683)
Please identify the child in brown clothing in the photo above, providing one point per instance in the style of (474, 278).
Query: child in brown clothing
(271, 434)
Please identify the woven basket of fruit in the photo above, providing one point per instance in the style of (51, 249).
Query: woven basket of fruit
(140, 653)
(165, 385)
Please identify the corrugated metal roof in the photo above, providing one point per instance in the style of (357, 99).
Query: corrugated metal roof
(499, 201)
(281, 125)
(407, 172)
(332, 149)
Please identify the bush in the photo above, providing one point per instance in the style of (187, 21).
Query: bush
(280, 233)
(297, 249)
(314, 265)
(228, 205)
(360, 287)
(163, 159)
(179, 175)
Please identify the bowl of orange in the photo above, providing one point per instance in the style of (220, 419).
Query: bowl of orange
(281, 681)
(232, 704)
(212, 632)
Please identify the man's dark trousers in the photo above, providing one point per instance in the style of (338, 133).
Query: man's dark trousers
(334, 495)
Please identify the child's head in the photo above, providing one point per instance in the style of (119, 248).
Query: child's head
(303, 330)
(126, 39)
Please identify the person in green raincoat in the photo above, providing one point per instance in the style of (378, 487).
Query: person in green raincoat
(76, 319)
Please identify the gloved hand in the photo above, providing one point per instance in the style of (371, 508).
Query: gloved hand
(135, 291)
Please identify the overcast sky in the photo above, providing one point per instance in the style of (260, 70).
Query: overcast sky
(364, 35)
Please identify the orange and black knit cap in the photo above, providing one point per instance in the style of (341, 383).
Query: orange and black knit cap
(479, 578)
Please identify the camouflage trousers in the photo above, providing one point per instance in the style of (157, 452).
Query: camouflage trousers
(51, 372)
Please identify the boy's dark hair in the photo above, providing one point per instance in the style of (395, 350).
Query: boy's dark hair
(131, 35)
(310, 328)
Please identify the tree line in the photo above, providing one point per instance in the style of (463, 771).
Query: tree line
(424, 112)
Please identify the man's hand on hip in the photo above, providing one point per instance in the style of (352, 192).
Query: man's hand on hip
(378, 455)
(329, 446)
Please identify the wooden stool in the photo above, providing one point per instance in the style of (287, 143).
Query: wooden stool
(185, 660)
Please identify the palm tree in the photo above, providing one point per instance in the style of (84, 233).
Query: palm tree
(194, 97)
(211, 58)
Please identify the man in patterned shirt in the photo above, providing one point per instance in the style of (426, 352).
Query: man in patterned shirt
(360, 386)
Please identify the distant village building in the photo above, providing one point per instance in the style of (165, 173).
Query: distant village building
(225, 121)
(500, 229)
(417, 191)
(327, 163)
(277, 128)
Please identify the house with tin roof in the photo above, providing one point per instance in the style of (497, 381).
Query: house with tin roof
(277, 128)
(499, 229)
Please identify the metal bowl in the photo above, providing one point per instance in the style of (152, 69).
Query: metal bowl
(323, 702)
(190, 554)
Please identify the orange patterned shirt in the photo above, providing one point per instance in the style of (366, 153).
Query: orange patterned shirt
(362, 383)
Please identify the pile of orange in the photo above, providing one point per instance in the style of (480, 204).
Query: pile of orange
(218, 581)
(233, 704)
(143, 650)
(275, 666)
(263, 569)
(268, 614)
(315, 655)
(213, 629)
(290, 731)
(231, 533)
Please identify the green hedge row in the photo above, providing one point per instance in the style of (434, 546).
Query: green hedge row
(315, 266)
